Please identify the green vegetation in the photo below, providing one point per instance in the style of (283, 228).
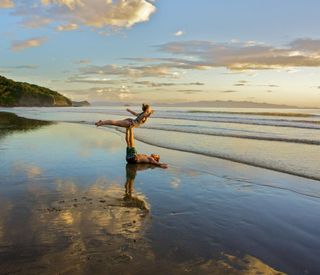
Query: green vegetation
(13, 94)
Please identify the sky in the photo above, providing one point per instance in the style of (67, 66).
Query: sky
(165, 50)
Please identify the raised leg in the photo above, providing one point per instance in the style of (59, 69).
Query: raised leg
(121, 123)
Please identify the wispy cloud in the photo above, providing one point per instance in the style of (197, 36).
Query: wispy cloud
(67, 27)
(246, 55)
(6, 4)
(92, 80)
(82, 61)
(179, 33)
(190, 91)
(204, 55)
(120, 93)
(28, 67)
(28, 43)
(166, 84)
(35, 21)
(229, 91)
(155, 70)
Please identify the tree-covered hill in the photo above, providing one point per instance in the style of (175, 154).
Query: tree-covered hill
(13, 94)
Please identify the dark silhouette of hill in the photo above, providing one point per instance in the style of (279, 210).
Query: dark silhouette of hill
(14, 94)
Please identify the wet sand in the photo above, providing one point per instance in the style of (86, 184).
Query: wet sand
(69, 204)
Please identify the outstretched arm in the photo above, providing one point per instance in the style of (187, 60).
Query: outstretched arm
(142, 158)
(132, 112)
(153, 161)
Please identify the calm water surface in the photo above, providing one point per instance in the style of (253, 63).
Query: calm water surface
(69, 203)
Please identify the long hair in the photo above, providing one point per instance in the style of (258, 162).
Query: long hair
(145, 106)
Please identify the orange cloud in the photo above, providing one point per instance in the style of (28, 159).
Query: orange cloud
(28, 43)
(6, 4)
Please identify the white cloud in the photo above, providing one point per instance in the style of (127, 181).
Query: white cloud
(6, 4)
(67, 27)
(28, 43)
(100, 13)
(178, 33)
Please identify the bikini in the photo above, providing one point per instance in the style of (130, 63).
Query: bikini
(140, 119)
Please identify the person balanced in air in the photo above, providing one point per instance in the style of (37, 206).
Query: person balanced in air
(140, 119)
(129, 123)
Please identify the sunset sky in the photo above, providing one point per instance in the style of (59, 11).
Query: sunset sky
(165, 50)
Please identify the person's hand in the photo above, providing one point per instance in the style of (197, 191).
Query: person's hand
(164, 166)
(98, 123)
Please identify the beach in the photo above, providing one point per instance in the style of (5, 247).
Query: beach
(66, 208)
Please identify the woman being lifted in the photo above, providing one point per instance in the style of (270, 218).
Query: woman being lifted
(129, 122)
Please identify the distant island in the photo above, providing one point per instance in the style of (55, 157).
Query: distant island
(228, 104)
(83, 103)
(22, 94)
(214, 104)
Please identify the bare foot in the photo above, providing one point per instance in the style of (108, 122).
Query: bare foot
(98, 123)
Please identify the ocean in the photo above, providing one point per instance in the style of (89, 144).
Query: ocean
(284, 140)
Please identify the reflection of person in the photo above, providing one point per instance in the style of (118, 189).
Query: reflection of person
(131, 172)
(133, 157)
(129, 122)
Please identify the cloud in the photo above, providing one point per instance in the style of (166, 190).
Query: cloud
(83, 61)
(241, 83)
(6, 4)
(29, 67)
(35, 21)
(159, 70)
(70, 14)
(249, 55)
(67, 27)
(203, 55)
(93, 80)
(120, 93)
(166, 84)
(28, 43)
(190, 91)
(229, 91)
(178, 33)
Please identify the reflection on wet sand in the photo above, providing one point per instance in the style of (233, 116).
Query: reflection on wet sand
(98, 228)
(73, 229)
(90, 225)
(10, 122)
(129, 199)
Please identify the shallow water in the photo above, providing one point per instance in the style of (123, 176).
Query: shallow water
(286, 140)
(66, 206)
